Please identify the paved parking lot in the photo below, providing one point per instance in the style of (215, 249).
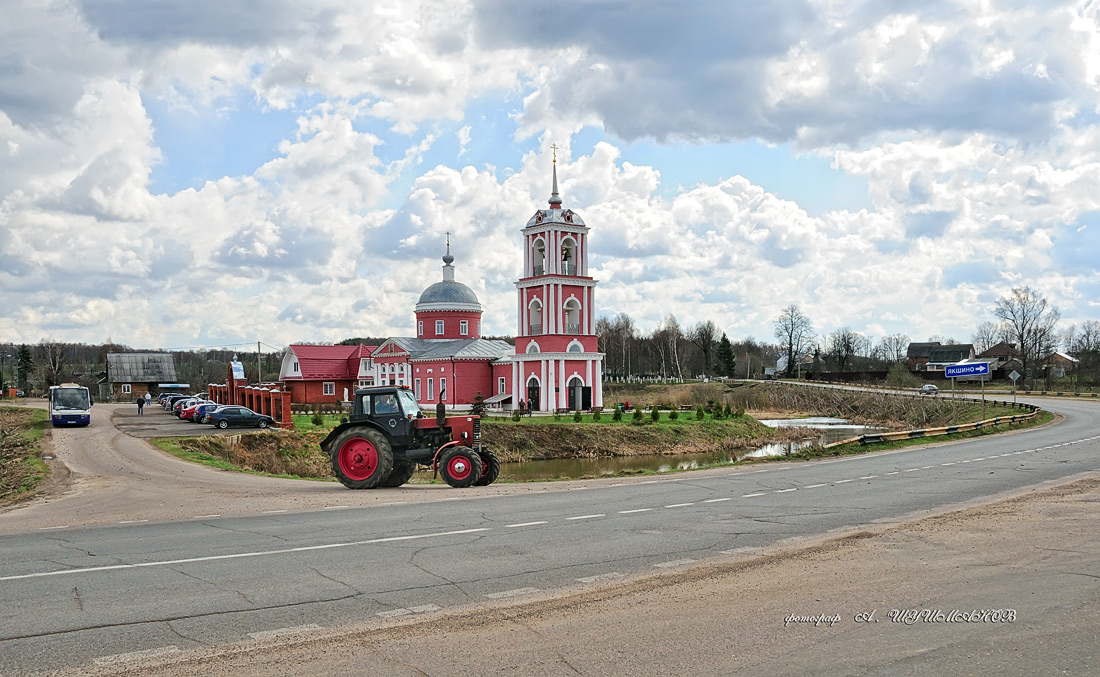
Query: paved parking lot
(156, 422)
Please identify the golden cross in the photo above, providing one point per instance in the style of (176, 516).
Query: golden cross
(554, 146)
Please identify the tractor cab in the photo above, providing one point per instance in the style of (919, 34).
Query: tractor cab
(392, 409)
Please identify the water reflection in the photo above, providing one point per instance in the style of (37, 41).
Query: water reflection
(831, 430)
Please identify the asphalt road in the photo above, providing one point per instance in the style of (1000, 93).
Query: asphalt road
(104, 594)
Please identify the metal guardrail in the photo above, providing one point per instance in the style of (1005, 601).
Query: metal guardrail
(874, 438)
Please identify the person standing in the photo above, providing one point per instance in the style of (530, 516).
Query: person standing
(141, 406)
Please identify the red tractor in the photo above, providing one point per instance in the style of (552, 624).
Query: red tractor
(387, 437)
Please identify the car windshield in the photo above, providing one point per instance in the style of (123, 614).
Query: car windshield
(408, 401)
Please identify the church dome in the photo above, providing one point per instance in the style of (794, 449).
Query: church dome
(448, 292)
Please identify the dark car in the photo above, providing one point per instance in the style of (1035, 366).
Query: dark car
(223, 417)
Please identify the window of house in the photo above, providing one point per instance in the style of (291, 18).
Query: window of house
(364, 364)
(438, 327)
(431, 392)
(416, 388)
(126, 389)
(464, 327)
(443, 388)
(329, 388)
(296, 367)
(420, 328)
(364, 382)
(500, 385)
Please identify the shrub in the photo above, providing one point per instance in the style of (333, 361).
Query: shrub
(577, 416)
(740, 412)
(317, 419)
(699, 413)
(617, 415)
(637, 415)
(515, 415)
(729, 410)
(557, 415)
(596, 416)
(673, 415)
(655, 414)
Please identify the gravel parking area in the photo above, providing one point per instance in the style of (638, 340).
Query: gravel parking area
(156, 422)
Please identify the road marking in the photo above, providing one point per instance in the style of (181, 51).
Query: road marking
(927, 467)
(620, 484)
(272, 512)
(871, 477)
(629, 512)
(679, 505)
(951, 463)
(843, 481)
(240, 555)
(202, 517)
(717, 500)
(813, 486)
(761, 493)
(892, 473)
(980, 459)
(523, 524)
(912, 469)
(60, 526)
(135, 656)
(512, 593)
(335, 507)
(394, 613)
(783, 491)
(132, 521)
(281, 632)
(676, 563)
(586, 517)
(601, 577)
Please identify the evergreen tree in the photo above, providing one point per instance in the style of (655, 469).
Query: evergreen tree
(727, 361)
(477, 407)
(26, 367)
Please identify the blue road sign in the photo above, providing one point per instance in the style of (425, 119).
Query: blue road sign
(972, 369)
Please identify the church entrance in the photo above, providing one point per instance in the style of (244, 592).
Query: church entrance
(580, 396)
(533, 395)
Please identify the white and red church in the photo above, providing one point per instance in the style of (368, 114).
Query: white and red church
(554, 365)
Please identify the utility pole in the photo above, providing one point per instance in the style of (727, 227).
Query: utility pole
(259, 368)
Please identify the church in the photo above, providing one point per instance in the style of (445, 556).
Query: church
(555, 364)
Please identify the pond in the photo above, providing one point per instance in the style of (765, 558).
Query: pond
(832, 430)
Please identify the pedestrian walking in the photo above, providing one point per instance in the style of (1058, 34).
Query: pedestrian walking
(141, 406)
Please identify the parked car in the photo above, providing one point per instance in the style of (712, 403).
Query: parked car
(172, 399)
(189, 411)
(223, 417)
(203, 411)
(180, 405)
(928, 389)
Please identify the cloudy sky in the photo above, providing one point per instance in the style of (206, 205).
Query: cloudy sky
(204, 173)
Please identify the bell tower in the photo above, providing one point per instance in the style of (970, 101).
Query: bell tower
(557, 364)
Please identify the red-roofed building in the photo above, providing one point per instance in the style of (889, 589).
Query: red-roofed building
(319, 374)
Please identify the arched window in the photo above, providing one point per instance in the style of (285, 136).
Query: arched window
(534, 315)
(532, 347)
(575, 347)
(538, 257)
(568, 257)
(572, 316)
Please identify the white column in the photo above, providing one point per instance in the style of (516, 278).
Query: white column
(543, 392)
(597, 384)
(584, 309)
(563, 394)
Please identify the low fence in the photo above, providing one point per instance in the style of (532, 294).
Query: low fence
(874, 438)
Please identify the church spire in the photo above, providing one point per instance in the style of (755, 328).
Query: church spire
(555, 199)
(448, 269)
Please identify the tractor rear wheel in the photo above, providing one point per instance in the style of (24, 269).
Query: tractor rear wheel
(490, 468)
(362, 458)
(400, 474)
(460, 467)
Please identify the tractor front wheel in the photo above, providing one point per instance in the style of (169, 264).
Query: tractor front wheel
(362, 458)
(490, 468)
(460, 467)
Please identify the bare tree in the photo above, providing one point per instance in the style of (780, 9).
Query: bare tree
(987, 335)
(795, 331)
(893, 348)
(1031, 323)
(845, 344)
(703, 335)
(52, 359)
(1087, 338)
(669, 333)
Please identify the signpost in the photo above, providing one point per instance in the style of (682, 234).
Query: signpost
(1014, 375)
(953, 371)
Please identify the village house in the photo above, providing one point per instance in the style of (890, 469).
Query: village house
(132, 375)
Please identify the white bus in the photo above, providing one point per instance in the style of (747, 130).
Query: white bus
(70, 404)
